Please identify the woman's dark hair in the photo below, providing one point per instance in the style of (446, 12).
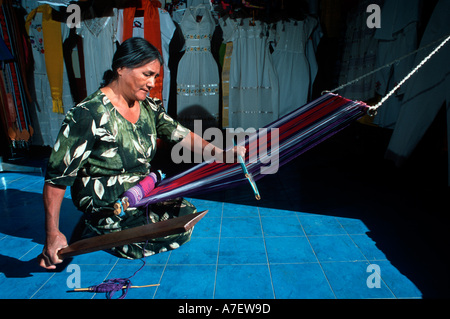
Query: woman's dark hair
(132, 53)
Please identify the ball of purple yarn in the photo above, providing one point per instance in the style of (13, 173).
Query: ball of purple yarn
(142, 189)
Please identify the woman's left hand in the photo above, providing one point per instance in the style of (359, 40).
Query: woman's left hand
(231, 156)
(239, 150)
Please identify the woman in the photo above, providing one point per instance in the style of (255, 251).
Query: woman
(106, 145)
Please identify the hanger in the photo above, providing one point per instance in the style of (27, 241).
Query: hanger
(197, 16)
(252, 21)
(139, 13)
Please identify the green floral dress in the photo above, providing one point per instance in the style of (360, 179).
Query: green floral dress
(100, 155)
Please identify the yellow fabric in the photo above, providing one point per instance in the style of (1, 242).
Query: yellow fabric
(53, 53)
(226, 84)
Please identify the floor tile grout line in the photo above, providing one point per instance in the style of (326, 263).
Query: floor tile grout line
(28, 187)
(217, 264)
(315, 255)
(29, 251)
(267, 255)
(42, 285)
(362, 253)
(24, 187)
(24, 256)
(162, 274)
(14, 180)
(230, 264)
(218, 252)
(164, 269)
(253, 264)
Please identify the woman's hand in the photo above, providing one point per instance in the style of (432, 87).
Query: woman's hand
(49, 256)
(198, 145)
(53, 196)
(239, 150)
(231, 155)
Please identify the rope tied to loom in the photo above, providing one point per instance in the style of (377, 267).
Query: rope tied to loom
(372, 110)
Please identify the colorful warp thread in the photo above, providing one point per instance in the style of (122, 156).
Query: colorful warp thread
(298, 132)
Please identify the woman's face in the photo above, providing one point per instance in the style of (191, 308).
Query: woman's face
(136, 83)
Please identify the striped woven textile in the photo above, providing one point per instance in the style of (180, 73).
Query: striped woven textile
(298, 132)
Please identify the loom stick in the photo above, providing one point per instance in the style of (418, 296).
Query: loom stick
(249, 177)
(132, 235)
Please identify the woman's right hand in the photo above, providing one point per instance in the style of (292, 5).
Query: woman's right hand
(48, 259)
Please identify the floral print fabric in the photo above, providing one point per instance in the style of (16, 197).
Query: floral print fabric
(100, 154)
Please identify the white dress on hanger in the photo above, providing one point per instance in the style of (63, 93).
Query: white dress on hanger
(49, 122)
(254, 98)
(98, 36)
(198, 73)
(291, 63)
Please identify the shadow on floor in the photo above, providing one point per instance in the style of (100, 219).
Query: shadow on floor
(22, 217)
(405, 209)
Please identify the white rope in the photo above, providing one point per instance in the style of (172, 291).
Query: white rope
(385, 66)
(373, 109)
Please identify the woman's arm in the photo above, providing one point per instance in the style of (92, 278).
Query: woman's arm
(193, 142)
(53, 196)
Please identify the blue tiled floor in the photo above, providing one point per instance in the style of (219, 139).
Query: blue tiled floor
(237, 251)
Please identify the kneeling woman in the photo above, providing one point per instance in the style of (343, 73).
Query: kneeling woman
(105, 146)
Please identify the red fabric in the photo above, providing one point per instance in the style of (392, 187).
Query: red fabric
(14, 75)
(152, 33)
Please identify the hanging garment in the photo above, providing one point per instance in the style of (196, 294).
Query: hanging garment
(396, 38)
(15, 93)
(53, 53)
(5, 55)
(178, 12)
(29, 5)
(198, 73)
(298, 132)
(359, 55)
(226, 85)
(180, 8)
(194, 3)
(228, 27)
(48, 121)
(254, 94)
(175, 52)
(152, 33)
(291, 63)
(311, 52)
(98, 36)
(426, 92)
(166, 29)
